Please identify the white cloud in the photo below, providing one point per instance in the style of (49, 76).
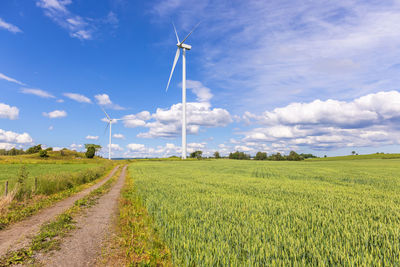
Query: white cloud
(37, 92)
(91, 137)
(78, 97)
(6, 146)
(55, 114)
(78, 27)
(51, 128)
(370, 120)
(9, 79)
(60, 100)
(9, 27)
(115, 147)
(13, 137)
(8, 112)
(77, 147)
(168, 121)
(118, 136)
(203, 93)
(136, 147)
(104, 100)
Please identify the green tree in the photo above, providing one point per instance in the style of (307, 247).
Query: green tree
(261, 156)
(90, 152)
(294, 156)
(216, 155)
(96, 147)
(196, 154)
(34, 149)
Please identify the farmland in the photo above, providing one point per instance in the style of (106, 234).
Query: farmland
(224, 212)
(9, 172)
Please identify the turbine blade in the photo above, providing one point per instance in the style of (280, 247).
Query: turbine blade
(108, 117)
(177, 38)
(105, 130)
(178, 51)
(191, 32)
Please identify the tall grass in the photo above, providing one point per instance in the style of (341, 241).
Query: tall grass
(52, 183)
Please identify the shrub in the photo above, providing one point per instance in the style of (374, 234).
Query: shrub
(43, 154)
(21, 189)
(34, 149)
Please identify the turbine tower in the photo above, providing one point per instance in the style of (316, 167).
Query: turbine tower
(182, 46)
(109, 124)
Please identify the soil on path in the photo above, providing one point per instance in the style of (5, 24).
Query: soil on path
(84, 244)
(18, 235)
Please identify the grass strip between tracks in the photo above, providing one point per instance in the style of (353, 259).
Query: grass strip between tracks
(51, 234)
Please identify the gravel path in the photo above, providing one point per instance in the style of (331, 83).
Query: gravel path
(18, 235)
(83, 246)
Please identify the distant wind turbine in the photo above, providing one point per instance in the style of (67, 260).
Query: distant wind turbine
(184, 47)
(109, 124)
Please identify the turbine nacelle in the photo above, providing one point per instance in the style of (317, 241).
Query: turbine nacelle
(183, 45)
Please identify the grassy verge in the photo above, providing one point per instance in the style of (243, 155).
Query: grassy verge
(51, 234)
(137, 242)
(19, 210)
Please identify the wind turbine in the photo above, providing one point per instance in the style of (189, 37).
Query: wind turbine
(109, 124)
(184, 47)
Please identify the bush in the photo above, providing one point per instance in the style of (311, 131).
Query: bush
(22, 189)
(43, 154)
(294, 156)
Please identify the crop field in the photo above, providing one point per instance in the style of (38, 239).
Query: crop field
(225, 212)
(9, 172)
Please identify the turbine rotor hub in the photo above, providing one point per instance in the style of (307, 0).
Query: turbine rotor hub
(185, 46)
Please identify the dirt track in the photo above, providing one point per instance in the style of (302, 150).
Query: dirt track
(83, 246)
(18, 235)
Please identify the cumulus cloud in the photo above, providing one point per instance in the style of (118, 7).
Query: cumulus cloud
(9, 27)
(168, 121)
(118, 136)
(76, 146)
(9, 79)
(78, 97)
(136, 147)
(104, 100)
(203, 93)
(115, 147)
(37, 92)
(91, 137)
(370, 120)
(55, 114)
(13, 137)
(8, 112)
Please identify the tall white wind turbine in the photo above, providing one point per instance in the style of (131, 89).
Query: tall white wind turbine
(109, 124)
(184, 47)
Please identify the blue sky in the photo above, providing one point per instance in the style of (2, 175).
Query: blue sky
(320, 77)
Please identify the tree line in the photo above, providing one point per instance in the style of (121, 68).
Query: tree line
(292, 156)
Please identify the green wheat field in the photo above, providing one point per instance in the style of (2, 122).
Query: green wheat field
(249, 213)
